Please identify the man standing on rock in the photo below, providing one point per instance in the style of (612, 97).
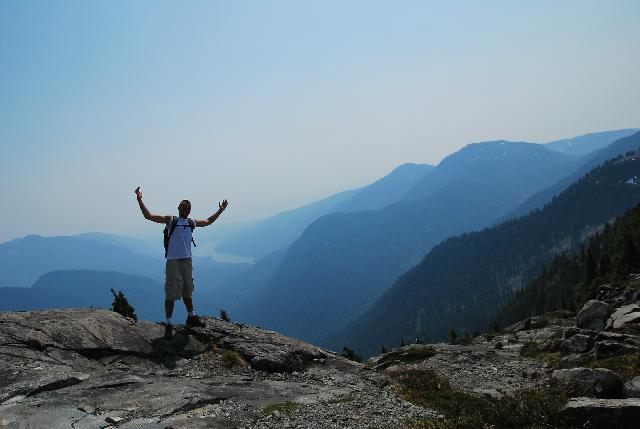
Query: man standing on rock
(179, 272)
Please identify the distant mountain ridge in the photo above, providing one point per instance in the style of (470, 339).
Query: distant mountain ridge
(588, 143)
(463, 282)
(343, 262)
(24, 260)
(279, 231)
(618, 147)
(86, 288)
(91, 288)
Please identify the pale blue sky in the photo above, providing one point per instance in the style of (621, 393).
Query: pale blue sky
(273, 104)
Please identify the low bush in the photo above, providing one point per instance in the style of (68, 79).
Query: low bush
(534, 408)
(121, 305)
(286, 407)
(231, 359)
(626, 366)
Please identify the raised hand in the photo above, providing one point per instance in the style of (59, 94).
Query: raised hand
(138, 192)
(223, 205)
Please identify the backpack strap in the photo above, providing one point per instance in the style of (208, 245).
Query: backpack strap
(192, 224)
(172, 225)
(168, 230)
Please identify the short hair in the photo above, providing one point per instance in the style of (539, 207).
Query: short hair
(185, 202)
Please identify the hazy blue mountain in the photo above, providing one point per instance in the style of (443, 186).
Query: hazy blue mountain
(24, 260)
(86, 288)
(479, 158)
(238, 292)
(135, 245)
(281, 230)
(588, 143)
(343, 262)
(385, 191)
(539, 199)
(462, 283)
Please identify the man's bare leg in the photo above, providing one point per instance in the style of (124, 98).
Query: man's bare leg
(168, 308)
(188, 302)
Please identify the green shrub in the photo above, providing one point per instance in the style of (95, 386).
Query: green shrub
(530, 350)
(231, 359)
(224, 315)
(414, 353)
(121, 305)
(286, 407)
(626, 366)
(534, 408)
(350, 354)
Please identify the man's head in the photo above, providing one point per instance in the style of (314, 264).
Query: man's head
(184, 208)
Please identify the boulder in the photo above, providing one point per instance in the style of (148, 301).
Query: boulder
(609, 413)
(578, 343)
(632, 388)
(573, 360)
(624, 316)
(608, 348)
(594, 315)
(618, 295)
(598, 382)
(529, 323)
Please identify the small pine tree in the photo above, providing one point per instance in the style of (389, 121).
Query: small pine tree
(402, 343)
(453, 336)
(121, 305)
(383, 349)
(350, 354)
(224, 315)
(590, 269)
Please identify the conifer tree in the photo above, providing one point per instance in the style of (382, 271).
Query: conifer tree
(121, 305)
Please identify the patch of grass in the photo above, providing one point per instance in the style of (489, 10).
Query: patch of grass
(530, 350)
(415, 353)
(342, 399)
(286, 407)
(533, 350)
(553, 359)
(463, 341)
(418, 352)
(626, 366)
(447, 423)
(232, 359)
(534, 408)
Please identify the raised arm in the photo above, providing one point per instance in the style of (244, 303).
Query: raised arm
(221, 206)
(145, 210)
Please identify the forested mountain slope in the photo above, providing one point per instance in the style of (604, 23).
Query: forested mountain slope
(343, 262)
(464, 281)
(279, 231)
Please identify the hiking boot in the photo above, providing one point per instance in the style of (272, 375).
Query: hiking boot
(195, 322)
(168, 331)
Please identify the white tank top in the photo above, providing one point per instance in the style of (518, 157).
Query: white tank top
(180, 241)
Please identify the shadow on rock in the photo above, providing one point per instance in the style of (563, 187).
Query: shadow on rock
(170, 351)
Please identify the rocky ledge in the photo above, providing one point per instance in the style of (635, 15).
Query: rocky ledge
(91, 368)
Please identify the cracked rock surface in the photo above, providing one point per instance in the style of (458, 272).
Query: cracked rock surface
(90, 368)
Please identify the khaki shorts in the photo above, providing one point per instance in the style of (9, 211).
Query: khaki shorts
(179, 279)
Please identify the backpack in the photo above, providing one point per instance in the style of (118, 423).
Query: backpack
(170, 227)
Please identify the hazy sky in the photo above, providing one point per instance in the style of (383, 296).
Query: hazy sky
(273, 104)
